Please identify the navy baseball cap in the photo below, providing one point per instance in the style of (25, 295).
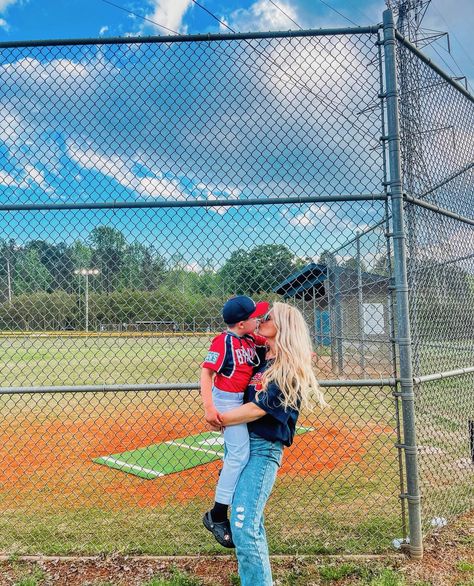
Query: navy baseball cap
(241, 308)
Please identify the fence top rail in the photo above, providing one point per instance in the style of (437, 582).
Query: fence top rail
(360, 30)
(382, 382)
(433, 66)
(203, 203)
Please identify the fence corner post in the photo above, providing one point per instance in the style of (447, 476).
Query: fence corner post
(401, 287)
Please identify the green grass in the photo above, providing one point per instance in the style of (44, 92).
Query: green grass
(337, 572)
(36, 577)
(464, 566)
(177, 578)
(54, 361)
(352, 508)
(387, 577)
(345, 512)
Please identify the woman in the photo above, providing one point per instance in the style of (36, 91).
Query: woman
(283, 384)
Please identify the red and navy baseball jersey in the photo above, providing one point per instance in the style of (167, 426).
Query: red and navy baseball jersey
(233, 358)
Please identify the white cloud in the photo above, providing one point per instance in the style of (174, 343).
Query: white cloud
(262, 16)
(111, 166)
(12, 125)
(193, 267)
(120, 170)
(4, 24)
(169, 13)
(103, 30)
(216, 209)
(215, 192)
(323, 217)
(451, 242)
(6, 179)
(158, 187)
(36, 176)
(315, 215)
(4, 4)
(31, 70)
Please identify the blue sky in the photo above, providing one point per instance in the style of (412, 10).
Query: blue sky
(132, 123)
(49, 19)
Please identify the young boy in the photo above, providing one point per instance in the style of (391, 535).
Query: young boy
(225, 375)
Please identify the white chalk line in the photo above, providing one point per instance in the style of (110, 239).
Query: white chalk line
(195, 448)
(172, 443)
(123, 464)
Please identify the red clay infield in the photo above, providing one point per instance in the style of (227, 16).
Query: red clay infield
(51, 460)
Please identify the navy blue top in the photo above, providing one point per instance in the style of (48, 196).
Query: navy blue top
(278, 424)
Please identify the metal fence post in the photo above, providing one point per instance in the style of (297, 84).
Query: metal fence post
(401, 287)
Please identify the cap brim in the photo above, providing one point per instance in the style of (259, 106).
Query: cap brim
(261, 308)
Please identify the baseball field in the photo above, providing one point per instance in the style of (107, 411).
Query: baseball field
(134, 471)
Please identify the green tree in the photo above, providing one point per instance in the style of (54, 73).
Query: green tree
(207, 282)
(154, 269)
(351, 263)
(176, 277)
(142, 269)
(8, 256)
(260, 269)
(30, 274)
(109, 245)
(381, 265)
(81, 255)
(327, 258)
(58, 260)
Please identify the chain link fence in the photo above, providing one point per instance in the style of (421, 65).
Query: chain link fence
(437, 128)
(145, 182)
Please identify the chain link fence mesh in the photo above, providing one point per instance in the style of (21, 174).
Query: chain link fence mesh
(437, 130)
(144, 183)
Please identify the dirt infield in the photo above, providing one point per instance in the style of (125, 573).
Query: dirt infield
(51, 459)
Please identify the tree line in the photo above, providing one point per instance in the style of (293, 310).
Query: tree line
(39, 288)
(41, 266)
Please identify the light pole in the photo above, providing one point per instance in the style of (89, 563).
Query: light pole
(86, 273)
(9, 281)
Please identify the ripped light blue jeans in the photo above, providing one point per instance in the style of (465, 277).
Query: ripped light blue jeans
(247, 521)
(236, 446)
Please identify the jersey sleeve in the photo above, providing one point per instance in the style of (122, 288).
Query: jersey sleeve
(270, 401)
(259, 340)
(216, 354)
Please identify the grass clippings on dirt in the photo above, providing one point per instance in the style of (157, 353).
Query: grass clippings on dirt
(448, 561)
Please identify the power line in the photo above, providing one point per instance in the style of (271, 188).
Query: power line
(454, 35)
(213, 16)
(454, 60)
(140, 16)
(337, 11)
(287, 16)
(296, 82)
(360, 11)
(449, 67)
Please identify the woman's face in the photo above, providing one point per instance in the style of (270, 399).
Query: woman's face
(267, 326)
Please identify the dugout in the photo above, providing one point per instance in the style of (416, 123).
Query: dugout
(348, 311)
